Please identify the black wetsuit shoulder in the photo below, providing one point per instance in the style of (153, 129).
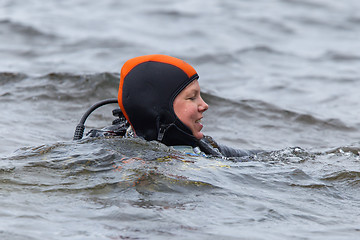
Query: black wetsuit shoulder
(209, 146)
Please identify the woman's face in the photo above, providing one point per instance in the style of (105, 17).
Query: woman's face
(189, 108)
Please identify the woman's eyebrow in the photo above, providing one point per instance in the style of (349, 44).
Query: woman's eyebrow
(193, 92)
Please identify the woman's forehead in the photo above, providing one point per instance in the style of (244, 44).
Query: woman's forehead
(194, 85)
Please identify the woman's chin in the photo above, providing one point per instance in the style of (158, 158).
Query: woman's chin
(198, 135)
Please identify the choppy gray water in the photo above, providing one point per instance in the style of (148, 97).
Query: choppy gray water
(278, 75)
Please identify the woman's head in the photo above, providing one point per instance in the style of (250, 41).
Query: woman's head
(150, 88)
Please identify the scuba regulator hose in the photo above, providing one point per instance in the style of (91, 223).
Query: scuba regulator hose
(79, 131)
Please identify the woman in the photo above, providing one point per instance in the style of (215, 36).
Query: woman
(160, 97)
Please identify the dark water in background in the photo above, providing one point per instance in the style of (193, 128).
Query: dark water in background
(282, 76)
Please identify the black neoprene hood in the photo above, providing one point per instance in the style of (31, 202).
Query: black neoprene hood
(148, 86)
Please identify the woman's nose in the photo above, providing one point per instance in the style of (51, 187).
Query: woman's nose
(203, 106)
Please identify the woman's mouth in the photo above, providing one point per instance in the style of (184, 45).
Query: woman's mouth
(198, 121)
(199, 124)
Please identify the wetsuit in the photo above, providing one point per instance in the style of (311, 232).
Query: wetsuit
(206, 146)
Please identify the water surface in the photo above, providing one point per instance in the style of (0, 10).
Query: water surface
(282, 76)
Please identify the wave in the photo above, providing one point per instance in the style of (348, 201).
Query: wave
(306, 4)
(352, 177)
(59, 86)
(117, 162)
(228, 58)
(259, 109)
(275, 25)
(97, 164)
(221, 58)
(346, 149)
(172, 13)
(265, 49)
(339, 57)
(26, 31)
(11, 77)
(97, 43)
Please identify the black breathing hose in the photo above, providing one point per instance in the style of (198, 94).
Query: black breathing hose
(79, 131)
